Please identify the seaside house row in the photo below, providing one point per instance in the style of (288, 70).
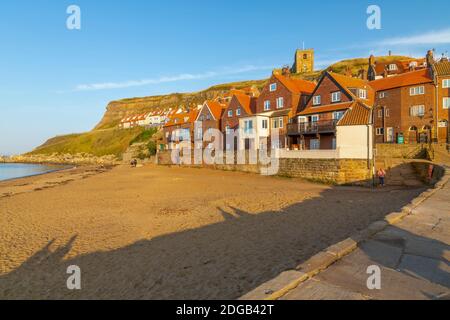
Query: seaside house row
(410, 106)
(151, 119)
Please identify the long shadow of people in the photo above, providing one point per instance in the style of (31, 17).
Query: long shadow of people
(218, 261)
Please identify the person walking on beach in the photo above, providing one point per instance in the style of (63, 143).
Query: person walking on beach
(381, 176)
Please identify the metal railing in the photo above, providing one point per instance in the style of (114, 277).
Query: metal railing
(312, 127)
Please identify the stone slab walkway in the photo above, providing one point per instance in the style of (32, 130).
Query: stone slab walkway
(413, 256)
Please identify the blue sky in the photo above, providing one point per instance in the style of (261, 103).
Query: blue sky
(56, 81)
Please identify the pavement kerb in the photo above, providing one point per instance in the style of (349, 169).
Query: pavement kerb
(336, 252)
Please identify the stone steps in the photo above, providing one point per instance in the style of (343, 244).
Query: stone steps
(399, 172)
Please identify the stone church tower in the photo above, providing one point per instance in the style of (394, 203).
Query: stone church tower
(304, 61)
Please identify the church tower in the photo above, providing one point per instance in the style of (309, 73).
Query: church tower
(304, 61)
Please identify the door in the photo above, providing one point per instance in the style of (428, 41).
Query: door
(390, 135)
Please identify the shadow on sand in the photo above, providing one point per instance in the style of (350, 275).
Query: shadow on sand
(218, 261)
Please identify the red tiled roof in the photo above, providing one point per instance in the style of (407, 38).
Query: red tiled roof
(296, 85)
(246, 102)
(326, 108)
(442, 68)
(216, 108)
(402, 80)
(181, 118)
(350, 82)
(357, 114)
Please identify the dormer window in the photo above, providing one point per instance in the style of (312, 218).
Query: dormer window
(336, 96)
(273, 87)
(392, 67)
(362, 93)
(317, 100)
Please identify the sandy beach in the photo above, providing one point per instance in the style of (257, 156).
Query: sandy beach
(170, 233)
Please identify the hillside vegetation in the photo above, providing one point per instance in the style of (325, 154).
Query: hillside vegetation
(107, 139)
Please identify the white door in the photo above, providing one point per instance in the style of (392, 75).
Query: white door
(390, 134)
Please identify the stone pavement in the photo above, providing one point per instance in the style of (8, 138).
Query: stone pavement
(413, 256)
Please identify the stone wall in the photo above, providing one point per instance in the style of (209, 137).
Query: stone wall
(403, 151)
(78, 159)
(330, 171)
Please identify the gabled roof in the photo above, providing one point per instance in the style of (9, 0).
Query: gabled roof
(246, 102)
(402, 80)
(182, 118)
(357, 114)
(442, 68)
(296, 85)
(215, 107)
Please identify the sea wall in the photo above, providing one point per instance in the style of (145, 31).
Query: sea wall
(79, 159)
(330, 171)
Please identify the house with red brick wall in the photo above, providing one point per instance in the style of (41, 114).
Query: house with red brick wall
(441, 72)
(209, 117)
(383, 69)
(314, 128)
(404, 107)
(179, 128)
(280, 99)
(241, 105)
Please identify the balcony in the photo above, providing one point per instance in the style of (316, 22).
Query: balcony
(327, 126)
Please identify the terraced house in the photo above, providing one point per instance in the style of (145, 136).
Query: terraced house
(209, 117)
(280, 99)
(335, 97)
(241, 106)
(179, 128)
(441, 74)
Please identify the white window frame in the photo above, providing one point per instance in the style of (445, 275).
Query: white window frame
(362, 93)
(387, 113)
(337, 115)
(267, 105)
(446, 103)
(382, 95)
(264, 124)
(446, 83)
(238, 111)
(415, 91)
(380, 113)
(414, 111)
(317, 100)
(316, 116)
(273, 87)
(230, 113)
(336, 96)
(280, 105)
(379, 131)
(393, 67)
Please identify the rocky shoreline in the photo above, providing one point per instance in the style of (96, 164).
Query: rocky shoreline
(77, 159)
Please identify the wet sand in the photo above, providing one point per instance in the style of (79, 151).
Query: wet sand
(170, 233)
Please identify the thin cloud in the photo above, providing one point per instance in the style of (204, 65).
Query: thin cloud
(166, 79)
(429, 38)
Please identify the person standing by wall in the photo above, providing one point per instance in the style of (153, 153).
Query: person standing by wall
(381, 176)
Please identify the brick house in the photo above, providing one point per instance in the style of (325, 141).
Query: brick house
(441, 72)
(209, 117)
(314, 127)
(280, 99)
(404, 107)
(382, 69)
(179, 128)
(241, 106)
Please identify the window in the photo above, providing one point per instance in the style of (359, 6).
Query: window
(266, 105)
(238, 111)
(305, 56)
(363, 93)
(230, 113)
(337, 115)
(417, 111)
(416, 91)
(208, 117)
(314, 118)
(314, 144)
(277, 123)
(446, 103)
(273, 87)
(380, 113)
(446, 83)
(316, 100)
(333, 144)
(382, 95)
(336, 96)
(227, 129)
(386, 113)
(392, 67)
(248, 126)
(380, 131)
(264, 124)
(280, 102)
